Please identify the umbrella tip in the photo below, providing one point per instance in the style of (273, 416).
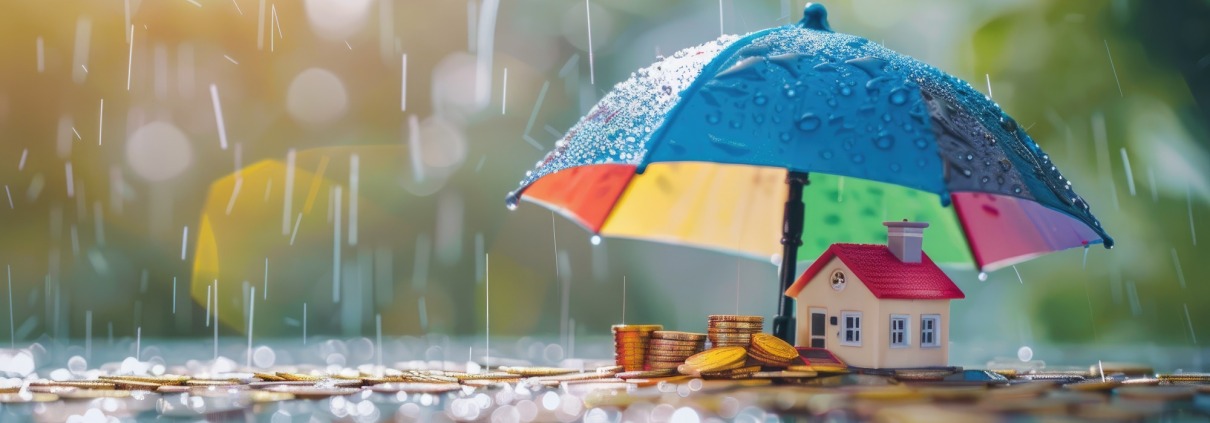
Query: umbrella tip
(815, 16)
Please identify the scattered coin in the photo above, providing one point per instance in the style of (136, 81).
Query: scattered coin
(11, 398)
(644, 374)
(535, 371)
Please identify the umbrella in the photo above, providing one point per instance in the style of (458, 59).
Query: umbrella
(694, 150)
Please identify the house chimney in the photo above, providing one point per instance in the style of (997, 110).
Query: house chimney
(904, 239)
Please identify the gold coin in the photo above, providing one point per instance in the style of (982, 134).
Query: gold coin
(678, 335)
(664, 366)
(496, 376)
(208, 382)
(159, 380)
(1185, 377)
(536, 371)
(608, 369)
(135, 385)
(425, 388)
(673, 342)
(644, 374)
(636, 328)
(314, 392)
(298, 376)
(735, 318)
(94, 394)
(774, 346)
(10, 388)
(9, 398)
(739, 371)
(768, 361)
(268, 377)
(717, 359)
(677, 348)
(81, 384)
(1092, 385)
(736, 325)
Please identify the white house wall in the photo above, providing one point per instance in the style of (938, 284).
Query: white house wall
(875, 350)
(854, 297)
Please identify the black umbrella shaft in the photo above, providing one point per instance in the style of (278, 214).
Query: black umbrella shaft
(791, 239)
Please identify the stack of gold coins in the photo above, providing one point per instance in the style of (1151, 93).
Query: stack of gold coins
(729, 330)
(668, 349)
(771, 351)
(630, 345)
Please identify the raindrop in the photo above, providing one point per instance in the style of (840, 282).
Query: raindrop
(921, 143)
(832, 102)
(736, 124)
(596, 240)
(895, 167)
(858, 158)
(845, 91)
(790, 93)
(970, 157)
(886, 117)
(712, 118)
(826, 154)
(898, 96)
(784, 136)
(1016, 189)
(809, 122)
(982, 276)
(511, 201)
(760, 100)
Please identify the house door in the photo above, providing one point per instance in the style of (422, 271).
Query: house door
(819, 323)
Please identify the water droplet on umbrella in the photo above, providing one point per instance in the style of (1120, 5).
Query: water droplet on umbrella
(758, 118)
(884, 141)
(1008, 124)
(898, 96)
(736, 124)
(966, 172)
(886, 117)
(712, 118)
(832, 102)
(858, 158)
(760, 100)
(785, 137)
(895, 167)
(809, 122)
(845, 91)
(790, 93)
(596, 240)
(826, 154)
(985, 179)
(970, 157)
(982, 276)
(1016, 189)
(921, 143)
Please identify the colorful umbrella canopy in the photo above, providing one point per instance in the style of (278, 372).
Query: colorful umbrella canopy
(694, 150)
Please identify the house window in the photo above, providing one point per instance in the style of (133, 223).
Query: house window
(899, 331)
(929, 325)
(851, 328)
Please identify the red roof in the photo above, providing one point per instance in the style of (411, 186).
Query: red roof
(884, 274)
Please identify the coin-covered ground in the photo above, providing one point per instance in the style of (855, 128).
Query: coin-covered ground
(654, 376)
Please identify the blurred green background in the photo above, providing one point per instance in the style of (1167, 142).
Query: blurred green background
(438, 107)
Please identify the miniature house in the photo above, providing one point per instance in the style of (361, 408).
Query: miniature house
(877, 306)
